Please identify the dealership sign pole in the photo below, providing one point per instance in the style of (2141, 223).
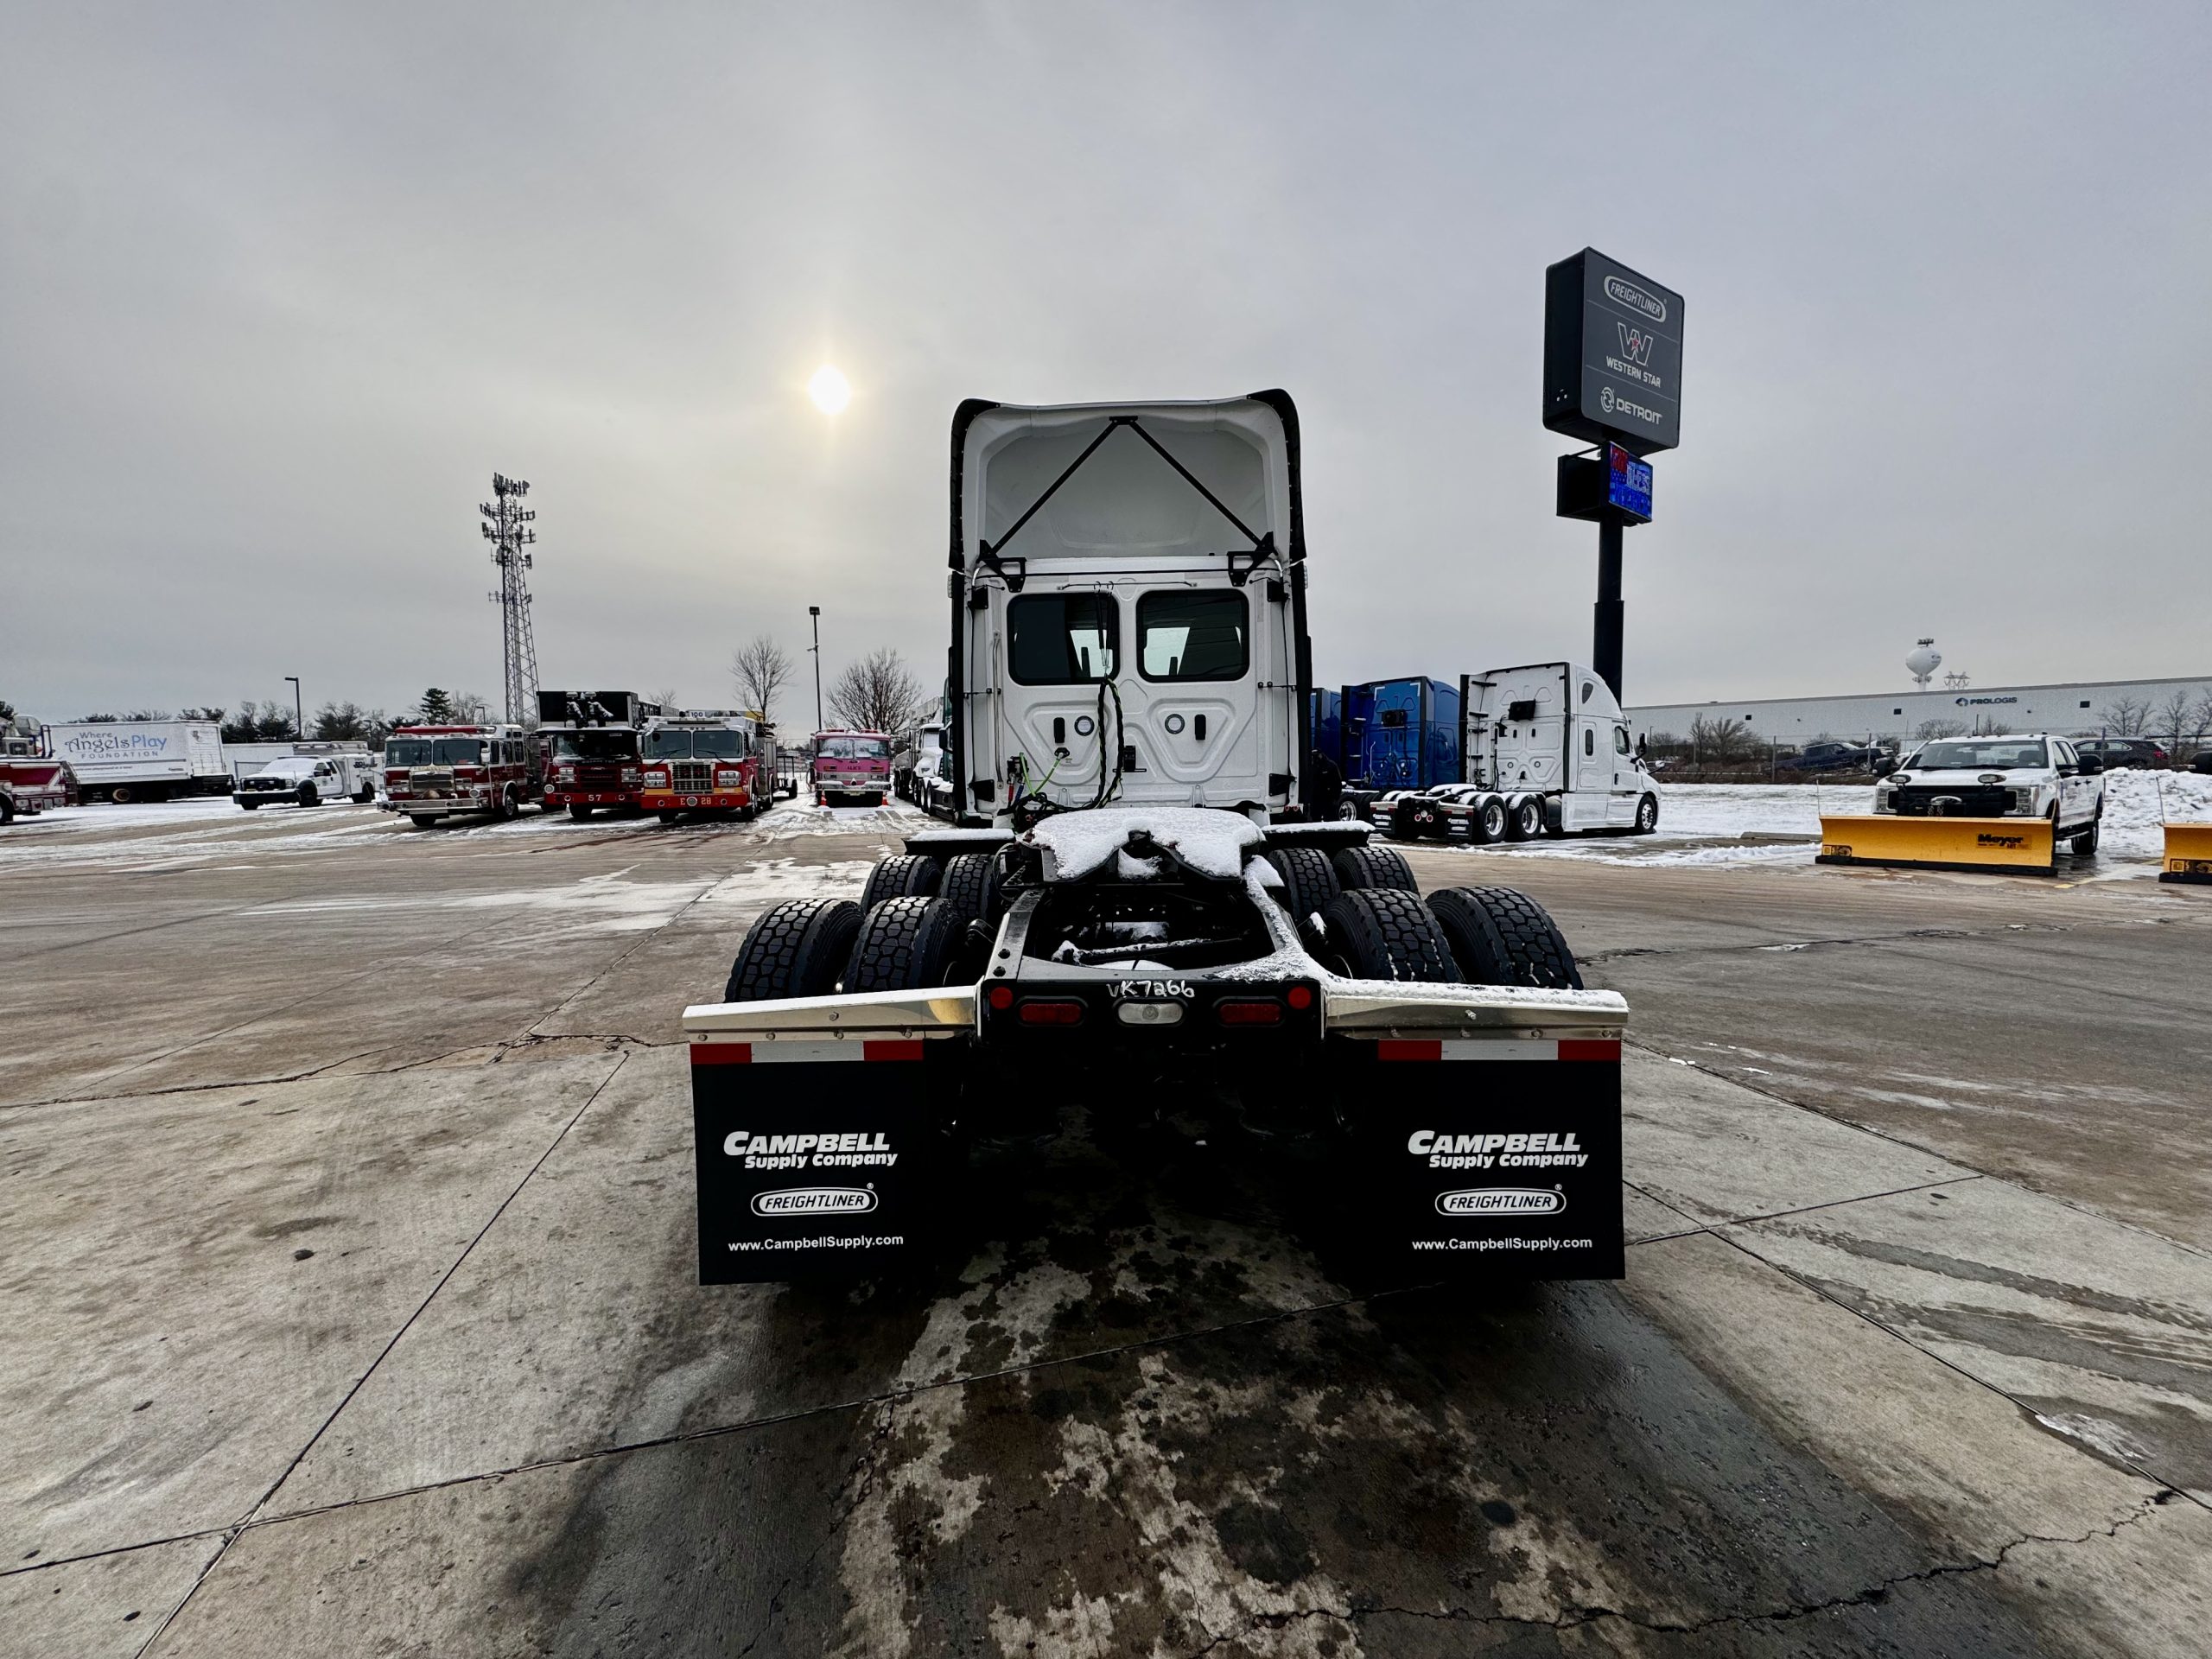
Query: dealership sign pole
(1612, 375)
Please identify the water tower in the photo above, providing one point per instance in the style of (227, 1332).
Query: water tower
(1923, 661)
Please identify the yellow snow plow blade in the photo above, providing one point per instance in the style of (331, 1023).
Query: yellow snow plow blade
(2188, 854)
(2023, 845)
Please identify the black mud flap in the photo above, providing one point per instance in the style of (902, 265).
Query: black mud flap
(1492, 1158)
(814, 1158)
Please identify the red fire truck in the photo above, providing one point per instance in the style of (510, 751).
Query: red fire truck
(440, 772)
(852, 766)
(702, 760)
(592, 757)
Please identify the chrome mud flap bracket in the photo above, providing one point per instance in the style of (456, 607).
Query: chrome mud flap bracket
(1491, 1148)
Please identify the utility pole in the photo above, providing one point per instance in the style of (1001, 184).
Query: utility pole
(299, 709)
(506, 526)
(814, 611)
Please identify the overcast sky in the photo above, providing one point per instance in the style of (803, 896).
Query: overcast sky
(280, 287)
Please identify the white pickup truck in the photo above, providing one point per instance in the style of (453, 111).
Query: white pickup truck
(311, 780)
(2032, 776)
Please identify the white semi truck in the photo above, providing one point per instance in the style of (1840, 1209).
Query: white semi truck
(142, 759)
(1544, 750)
(1139, 912)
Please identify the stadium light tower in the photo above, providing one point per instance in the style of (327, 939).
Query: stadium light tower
(506, 526)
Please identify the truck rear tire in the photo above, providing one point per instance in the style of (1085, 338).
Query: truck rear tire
(1385, 933)
(1486, 824)
(797, 949)
(421, 820)
(903, 875)
(1374, 866)
(905, 945)
(248, 805)
(578, 811)
(970, 888)
(1524, 819)
(365, 796)
(1309, 882)
(1499, 937)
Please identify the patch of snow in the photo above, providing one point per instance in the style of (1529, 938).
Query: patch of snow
(1210, 841)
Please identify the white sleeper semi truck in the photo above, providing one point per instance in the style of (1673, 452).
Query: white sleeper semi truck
(1544, 750)
(1138, 911)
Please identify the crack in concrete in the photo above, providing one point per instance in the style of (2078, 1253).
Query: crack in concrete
(1576, 1618)
(869, 1466)
(383, 1354)
(1769, 1093)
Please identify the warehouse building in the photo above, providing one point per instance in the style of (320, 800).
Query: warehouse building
(2078, 708)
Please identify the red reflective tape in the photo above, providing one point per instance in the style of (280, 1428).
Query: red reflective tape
(1590, 1048)
(892, 1049)
(721, 1053)
(1403, 1048)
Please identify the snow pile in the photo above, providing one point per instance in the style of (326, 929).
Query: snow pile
(2140, 804)
(1207, 840)
(1777, 824)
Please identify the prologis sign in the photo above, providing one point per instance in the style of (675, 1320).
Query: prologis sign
(1612, 354)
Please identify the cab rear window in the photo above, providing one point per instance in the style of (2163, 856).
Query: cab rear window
(1194, 635)
(1063, 639)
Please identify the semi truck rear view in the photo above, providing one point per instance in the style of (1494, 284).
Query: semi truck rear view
(1139, 912)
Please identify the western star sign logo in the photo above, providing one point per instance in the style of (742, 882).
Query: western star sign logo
(1636, 344)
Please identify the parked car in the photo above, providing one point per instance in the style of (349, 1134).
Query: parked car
(2124, 751)
(1826, 756)
(2201, 761)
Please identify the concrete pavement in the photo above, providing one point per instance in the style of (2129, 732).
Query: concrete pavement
(348, 1260)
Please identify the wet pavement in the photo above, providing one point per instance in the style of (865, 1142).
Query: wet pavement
(346, 1294)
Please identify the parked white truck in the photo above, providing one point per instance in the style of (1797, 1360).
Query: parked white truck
(317, 774)
(1544, 749)
(142, 759)
(1140, 912)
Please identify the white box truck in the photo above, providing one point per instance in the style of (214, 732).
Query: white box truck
(142, 759)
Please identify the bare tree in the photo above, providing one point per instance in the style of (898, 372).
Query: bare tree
(1928, 730)
(2124, 716)
(1720, 741)
(761, 670)
(2172, 719)
(469, 708)
(2200, 718)
(877, 694)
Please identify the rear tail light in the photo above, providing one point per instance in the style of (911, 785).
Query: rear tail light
(1038, 1011)
(1250, 1010)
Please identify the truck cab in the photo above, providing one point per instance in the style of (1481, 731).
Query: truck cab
(432, 772)
(593, 745)
(847, 766)
(1129, 612)
(309, 779)
(702, 760)
(2033, 775)
(1545, 749)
